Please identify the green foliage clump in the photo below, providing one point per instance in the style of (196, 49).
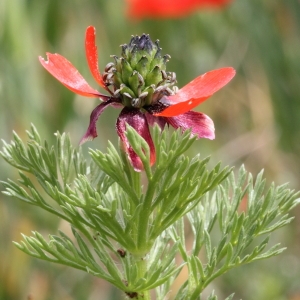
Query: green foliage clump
(128, 229)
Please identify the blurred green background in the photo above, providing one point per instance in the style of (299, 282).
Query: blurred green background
(257, 118)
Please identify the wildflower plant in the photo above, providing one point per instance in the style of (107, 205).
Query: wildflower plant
(130, 207)
(139, 83)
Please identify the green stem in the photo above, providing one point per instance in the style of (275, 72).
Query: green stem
(141, 264)
(143, 222)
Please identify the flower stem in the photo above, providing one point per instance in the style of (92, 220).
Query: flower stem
(141, 264)
(143, 221)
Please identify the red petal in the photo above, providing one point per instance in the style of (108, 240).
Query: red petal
(92, 55)
(91, 132)
(200, 124)
(68, 75)
(138, 121)
(195, 92)
(169, 8)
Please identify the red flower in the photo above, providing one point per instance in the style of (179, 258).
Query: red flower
(139, 9)
(173, 110)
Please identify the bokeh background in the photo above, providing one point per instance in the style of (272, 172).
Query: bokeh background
(257, 118)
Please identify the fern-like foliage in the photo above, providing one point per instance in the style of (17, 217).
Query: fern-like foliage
(128, 231)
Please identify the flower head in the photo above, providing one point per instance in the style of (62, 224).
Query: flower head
(139, 9)
(138, 82)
